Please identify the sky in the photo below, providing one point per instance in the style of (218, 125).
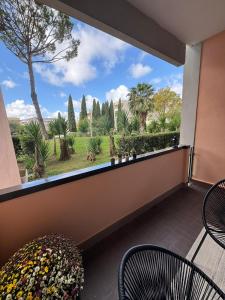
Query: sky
(104, 69)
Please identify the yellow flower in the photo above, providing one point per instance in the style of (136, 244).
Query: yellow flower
(29, 296)
(19, 294)
(46, 269)
(9, 287)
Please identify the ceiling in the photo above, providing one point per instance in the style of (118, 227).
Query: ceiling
(191, 21)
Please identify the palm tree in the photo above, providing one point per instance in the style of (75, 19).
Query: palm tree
(41, 152)
(53, 130)
(141, 102)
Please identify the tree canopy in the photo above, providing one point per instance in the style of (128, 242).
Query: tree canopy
(166, 107)
(141, 101)
(36, 34)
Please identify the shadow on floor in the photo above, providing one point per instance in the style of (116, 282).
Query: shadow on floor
(174, 224)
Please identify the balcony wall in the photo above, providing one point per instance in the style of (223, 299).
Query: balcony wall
(83, 208)
(209, 159)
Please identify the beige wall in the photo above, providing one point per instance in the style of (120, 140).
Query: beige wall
(83, 208)
(209, 161)
(9, 172)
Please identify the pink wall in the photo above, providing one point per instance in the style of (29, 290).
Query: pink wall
(209, 161)
(9, 172)
(83, 208)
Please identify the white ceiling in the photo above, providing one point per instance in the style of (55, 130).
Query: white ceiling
(191, 21)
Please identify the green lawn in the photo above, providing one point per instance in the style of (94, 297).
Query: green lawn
(79, 159)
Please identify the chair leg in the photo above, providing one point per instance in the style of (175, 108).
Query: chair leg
(199, 246)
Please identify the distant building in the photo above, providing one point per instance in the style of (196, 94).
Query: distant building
(35, 119)
(13, 120)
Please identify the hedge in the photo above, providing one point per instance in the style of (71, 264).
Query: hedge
(17, 145)
(147, 143)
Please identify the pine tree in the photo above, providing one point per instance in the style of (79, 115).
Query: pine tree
(111, 115)
(98, 110)
(32, 32)
(71, 116)
(83, 112)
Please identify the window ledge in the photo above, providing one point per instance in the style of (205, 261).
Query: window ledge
(45, 183)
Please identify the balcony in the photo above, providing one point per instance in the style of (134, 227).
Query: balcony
(174, 223)
(108, 209)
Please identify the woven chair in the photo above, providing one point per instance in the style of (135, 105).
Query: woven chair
(152, 273)
(213, 215)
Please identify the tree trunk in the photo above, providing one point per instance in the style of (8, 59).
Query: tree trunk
(35, 100)
(55, 153)
(64, 150)
(38, 168)
(143, 117)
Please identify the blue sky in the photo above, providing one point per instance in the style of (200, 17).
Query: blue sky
(105, 69)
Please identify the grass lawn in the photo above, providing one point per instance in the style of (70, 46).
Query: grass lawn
(79, 159)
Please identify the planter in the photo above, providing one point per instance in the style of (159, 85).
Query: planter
(23, 175)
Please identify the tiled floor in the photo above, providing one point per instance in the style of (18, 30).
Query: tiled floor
(174, 224)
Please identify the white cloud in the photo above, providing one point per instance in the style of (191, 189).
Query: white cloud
(156, 80)
(139, 70)
(62, 94)
(8, 83)
(121, 92)
(175, 82)
(142, 55)
(55, 114)
(20, 109)
(95, 46)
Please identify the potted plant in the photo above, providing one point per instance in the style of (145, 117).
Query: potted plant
(112, 161)
(120, 156)
(38, 270)
(126, 156)
(134, 154)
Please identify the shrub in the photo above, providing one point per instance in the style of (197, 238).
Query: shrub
(49, 267)
(27, 145)
(71, 143)
(84, 125)
(94, 145)
(17, 145)
(146, 143)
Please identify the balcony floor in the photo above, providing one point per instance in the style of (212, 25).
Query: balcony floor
(173, 223)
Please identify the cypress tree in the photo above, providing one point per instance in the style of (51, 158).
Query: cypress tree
(71, 116)
(119, 121)
(107, 109)
(94, 110)
(83, 112)
(98, 111)
(111, 115)
(103, 108)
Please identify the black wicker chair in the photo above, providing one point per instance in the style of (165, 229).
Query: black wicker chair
(152, 273)
(213, 215)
